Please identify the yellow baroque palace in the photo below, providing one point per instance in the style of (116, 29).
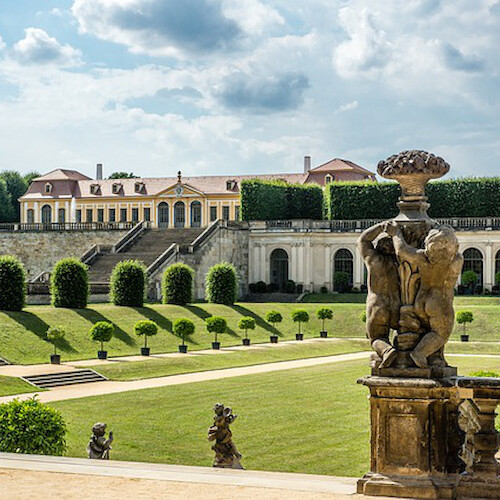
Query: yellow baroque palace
(67, 196)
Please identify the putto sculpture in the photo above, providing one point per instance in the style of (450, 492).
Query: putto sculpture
(98, 447)
(226, 454)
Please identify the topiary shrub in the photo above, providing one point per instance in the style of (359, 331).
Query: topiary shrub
(469, 279)
(290, 286)
(177, 284)
(464, 317)
(260, 287)
(274, 317)
(323, 289)
(300, 316)
(69, 284)
(102, 331)
(362, 316)
(31, 427)
(252, 287)
(54, 334)
(222, 284)
(216, 325)
(128, 283)
(340, 281)
(147, 328)
(324, 313)
(12, 284)
(246, 323)
(183, 328)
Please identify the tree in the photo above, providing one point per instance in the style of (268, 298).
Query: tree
(12, 283)
(102, 331)
(300, 316)
(123, 175)
(469, 279)
(222, 284)
(69, 285)
(464, 317)
(16, 186)
(216, 325)
(55, 333)
(128, 283)
(30, 176)
(274, 317)
(324, 313)
(6, 212)
(183, 328)
(246, 323)
(340, 281)
(147, 328)
(177, 284)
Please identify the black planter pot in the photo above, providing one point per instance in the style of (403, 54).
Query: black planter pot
(102, 354)
(299, 336)
(323, 334)
(464, 338)
(273, 339)
(246, 341)
(144, 351)
(215, 345)
(183, 349)
(55, 359)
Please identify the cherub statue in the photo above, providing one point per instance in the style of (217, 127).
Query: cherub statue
(226, 454)
(439, 265)
(99, 446)
(383, 300)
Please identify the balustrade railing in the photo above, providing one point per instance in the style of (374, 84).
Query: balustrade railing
(67, 226)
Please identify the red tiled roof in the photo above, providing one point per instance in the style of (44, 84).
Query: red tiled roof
(62, 175)
(338, 164)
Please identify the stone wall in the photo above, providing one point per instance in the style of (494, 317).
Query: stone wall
(39, 250)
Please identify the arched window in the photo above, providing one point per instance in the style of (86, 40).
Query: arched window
(30, 216)
(179, 214)
(473, 259)
(46, 214)
(163, 214)
(497, 265)
(279, 269)
(196, 214)
(344, 262)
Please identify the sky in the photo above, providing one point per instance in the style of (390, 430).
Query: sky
(247, 86)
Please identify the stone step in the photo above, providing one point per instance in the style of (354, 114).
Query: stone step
(48, 380)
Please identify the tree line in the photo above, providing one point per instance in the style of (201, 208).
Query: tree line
(12, 186)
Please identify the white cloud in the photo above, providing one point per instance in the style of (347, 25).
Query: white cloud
(37, 47)
(348, 106)
(2, 43)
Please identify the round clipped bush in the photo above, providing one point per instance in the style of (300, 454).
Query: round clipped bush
(183, 328)
(31, 427)
(362, 316)
(464, 317)
(147, 328)
(261, 287)
(102, 331)
(290, 286)
(300, 316)
(216, 325)
(128, 284)
(12, 284)
(177, 284)
(222, 284)
(69, 285)
(469, 278)
(340, 281)
(54, 334)
(274, 317)
(246, 323)
(324, 313)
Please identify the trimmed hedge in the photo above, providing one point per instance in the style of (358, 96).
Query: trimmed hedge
(12, 284)
(177, 284)
(128, 283)
(271, 200)
(69, 285)
(471, 197)
(222, 284)
(31, 427)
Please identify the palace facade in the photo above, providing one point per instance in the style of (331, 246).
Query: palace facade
(67, 196)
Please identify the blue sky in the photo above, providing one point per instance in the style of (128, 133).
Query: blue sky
(247, 86)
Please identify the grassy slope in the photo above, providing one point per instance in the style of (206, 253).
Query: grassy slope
(14, 385)
(21, 336)
(310, 420)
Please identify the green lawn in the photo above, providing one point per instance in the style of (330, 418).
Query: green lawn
(310, 420)
(158, 367)
(14, 385)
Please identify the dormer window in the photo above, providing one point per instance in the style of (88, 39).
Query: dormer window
(48, 188)
(138, 187)
(116, 188)
(328, 179)
(94, 188)
(230, 184)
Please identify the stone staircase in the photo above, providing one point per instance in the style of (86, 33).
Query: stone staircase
(48, 380)
(146, 247)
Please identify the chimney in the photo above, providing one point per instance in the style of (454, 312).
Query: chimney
(98, 172)
(307, 164)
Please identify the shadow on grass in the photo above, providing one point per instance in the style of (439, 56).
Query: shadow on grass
(202, 314)
(64, 346)
(258, 319)
(94, 316)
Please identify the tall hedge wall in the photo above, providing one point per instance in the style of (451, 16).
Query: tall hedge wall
(474, 197)
(271, 200)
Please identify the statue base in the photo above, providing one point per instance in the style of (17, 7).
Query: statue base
(433, 372)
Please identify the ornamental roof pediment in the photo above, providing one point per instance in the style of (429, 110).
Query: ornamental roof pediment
(178, 190)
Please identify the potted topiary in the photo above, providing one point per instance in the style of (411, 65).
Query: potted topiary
(216, 325)
(55, 333)
(246, 323)
(340, 281)
(148, 329)
(469, 280)
(183, 328)
(324, 313)
(300, 316)
(274, 317)
(102, 331)
(464, 317)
